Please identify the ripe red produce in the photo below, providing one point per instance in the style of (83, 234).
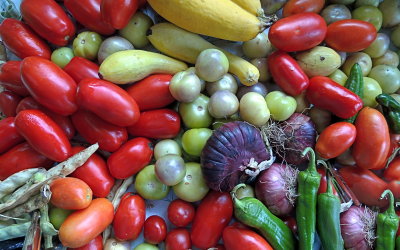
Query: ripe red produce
(95, 244)
(9, 134)
(180, 213)
(80, 68)
(236, 237)
(178, 239)
(154, 230)
(118, 12)
(10, 78)
(8, 103)
(70, 193)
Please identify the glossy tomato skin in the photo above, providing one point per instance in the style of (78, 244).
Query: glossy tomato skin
(49, 20)
(157, 124)
(87, 12)
(93, 129)
(132, 157)
(21, 40)
(49, 85)
(299, 6)
(84, 225)
(154, 230)
(10, 78)
(8, 103)
(350, 35)
(9, 134)
(180, 213)
(80, 68)
(178, 239)
(95, 173)
(323, 184)
(95, 244)
(212, 216)
(118, 12)
(70, 193)
(235, 238)
(129, 217)
(372, 143)
(43, 134)
(152, 92)
(298, 32)
(287, 73)
(392, 173)
(19, 158)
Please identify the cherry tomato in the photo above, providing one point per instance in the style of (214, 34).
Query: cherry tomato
(80, 68)
(129, 217)
(8, 103)
(49, 20)
(43, 134)
(178, 239)
(152, 92)
(70, 193)
(298, 32)
(10, 78)
(157, 124)
(95, 244)
(180, 213)
(21, 40)
(84, 225)
(8, 134)
(299, 6)
(212, 216)
(93, 129)
(350, 35)
(392, 173)
(118, 12)
(323, 184)
(155, 230)
(132, 157)
(235, 238)
(372, 143)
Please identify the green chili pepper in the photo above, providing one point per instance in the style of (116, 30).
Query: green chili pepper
(254, 213)
(387, 224)
(391, 110)
(355, 83)
(398, 243)
(308, 183)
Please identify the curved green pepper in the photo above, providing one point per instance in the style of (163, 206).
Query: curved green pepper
(391, 111)
(387, 224)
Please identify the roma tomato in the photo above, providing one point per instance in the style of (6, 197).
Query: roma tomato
(132, 157)
(49, 20)
(299, 6)
(155, 230)
(129, 217)
(84, 225)
(298, 32)
(178, 239)
(8, 134)
(109, 101)
(350, 35)
(95, 244)
(28, 103)
(157, 124)
(70, 193)
(180, 213)
(49, 85)
(19, 158)
(10, 78)
(235, 238)
(8, 103)
(323, 184)
(43, 134)
(392, 173)
(93, 129)
(212, 216)
(118, 12)
(394, 186)
(21, 40)
(372, 143)
(95, 173)
(87, 12)
(80, 68)
(152, 92)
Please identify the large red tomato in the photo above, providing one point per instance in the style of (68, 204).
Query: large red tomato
(236, 237)
(178, 239)
(154, 229)
(80, 68)
(118, 12)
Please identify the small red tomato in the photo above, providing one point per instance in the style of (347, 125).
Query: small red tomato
(43, 134)
(394, 186)
(180, 213)
(155, 229)
(299, 6)
(118, 12)
(10, 78)
(178, 239)
(9, 135)
(236, 237)
(8, 103)
(95, 244)
(392, 173)
(129, 217)
(80, 68)
(323, 184)
(70, 193)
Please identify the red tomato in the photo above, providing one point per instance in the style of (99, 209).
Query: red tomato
(84, 225)
(43, 134)
(142, 3)
(21, 40)
(392, 173)
(129, 217)
(335, 139)
(180, 213)
(118, 12)
(70, 193)
(235, 238)
(155, 230)
(95, 244)
(157, 124)
(299, 6)
(9, 134)
(291, 223)
(10, 78)
(49, 20)
(8, 103)
(212, 216)
(323, 184)
(93, 129)
(394, 186)
(372, 143)
(95, 173)
(298, 32)
(350, 35)
(19, 158)
(80, 68)
(152, 92)
(87, 12)
(49, 85)
(132, 157)
(178, 239)
(287, 73)
(394, 143)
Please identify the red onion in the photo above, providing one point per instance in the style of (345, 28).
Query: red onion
(276, 188)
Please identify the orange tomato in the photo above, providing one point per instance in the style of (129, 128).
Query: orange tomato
(70, 193)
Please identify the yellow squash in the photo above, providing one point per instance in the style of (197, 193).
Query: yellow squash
(252, 6)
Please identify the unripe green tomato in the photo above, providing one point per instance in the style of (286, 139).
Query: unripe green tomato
(87, 45)
(193, 187)
(262, 66)
(379, 46)
(391, 12)
(301, 103)
(253, 109)
(345, 2)
(148, 186)
(136, 30)
(193, 140)
(390, 58)
(281, 106)
(146, 246)
(166, 147)
(62, 56)
(360, 3)
(192, 70)
(370, 91)
(339, 77)
(258, 47)
(335, 12)
(195, 114)
(58, 215)
(369, 14)
(211, 65)
(388, 78)
(363, 59)
(185, 87)
(395, 36)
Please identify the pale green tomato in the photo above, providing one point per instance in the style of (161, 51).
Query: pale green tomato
(146, 246)
(369, 14)
(193, 140)
(363, 59)
(335, 12)
(301, 103)
(193, 187)
(374, 3)
(388, 78)
(379, 46)
(192, 70)
(227, 82)
(222, 104)
(253, 109)
(258, 47)
(395, 36)
(371, 90)
(136, 30)
(390, 58)
(262, 66)
(282, 106)
(339, 77)
(62, 56)
(185, 87)
(195, 114)
(166, 147)
(58, 215)
(391, 12)
(111, 45)
(148, 186)
(211, 65)
(87, 45)
(170, 169)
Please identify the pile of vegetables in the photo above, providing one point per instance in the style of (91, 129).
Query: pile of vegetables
(248, 124)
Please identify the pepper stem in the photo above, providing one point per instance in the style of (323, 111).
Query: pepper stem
(311, 165)
(329, 189)
(236, 188)
(390, 210)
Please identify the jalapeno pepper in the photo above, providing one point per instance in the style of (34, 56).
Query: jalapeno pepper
(391, 111)
(387, 224)
(355, 83)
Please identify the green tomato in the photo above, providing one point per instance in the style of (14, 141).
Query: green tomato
(371, 90)
(360, 3)
(390, 58)
(379, 46)
(195, 114)
(363, 59)
(166, 147)
(339, 77)
(146, 246)
(369, 14)
(148, 186)
(345, 2)
(301, 103)
(193, 187)
(87, 45)
(193, 140)
(136, 30)
(253, 109)
(388, 78)
(58, 215)
(282, 106)
(395, 36)
(391, 12)
(62, 56)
